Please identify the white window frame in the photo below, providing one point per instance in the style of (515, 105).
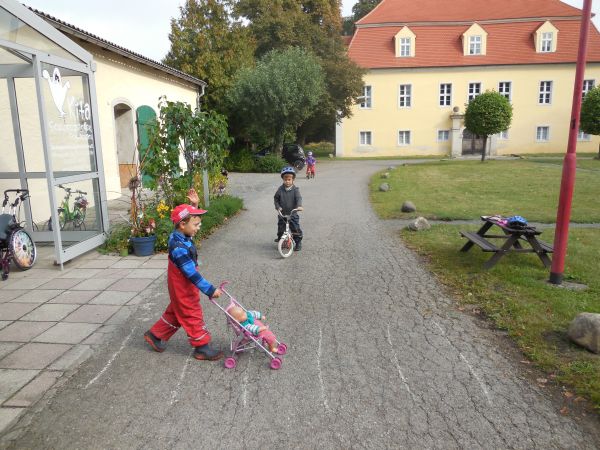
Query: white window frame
(405, 47)
(367, 101)
(443, 131)
(446, 95)
(408, 133)
(508, 94)
(475, 44)
(547, 42)
(537, 134)
(406, 97)
(545, 92)
(360, 138)
(472, 95)
(587, 86)
(583, 137)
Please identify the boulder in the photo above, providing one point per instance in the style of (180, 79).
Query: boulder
(384, 187)
(419, 224)
(385, 175)
(585, 331)
(391, 167)
(408, 206)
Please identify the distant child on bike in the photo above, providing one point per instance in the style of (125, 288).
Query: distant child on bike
(310, 165)
(185, 282)
(286, 199)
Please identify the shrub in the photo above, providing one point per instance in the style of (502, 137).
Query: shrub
(270, 164)
(320, 149)
(240, 161)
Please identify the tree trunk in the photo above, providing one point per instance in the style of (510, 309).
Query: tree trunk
(484, 147)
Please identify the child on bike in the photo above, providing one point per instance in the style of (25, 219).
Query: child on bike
(310, 165)
(286, 199)
(184, 283)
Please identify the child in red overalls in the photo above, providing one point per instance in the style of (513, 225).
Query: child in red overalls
(184, 282)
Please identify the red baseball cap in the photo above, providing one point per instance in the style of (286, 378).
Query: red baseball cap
(180, 212)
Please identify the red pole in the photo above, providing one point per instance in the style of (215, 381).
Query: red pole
(563, 215)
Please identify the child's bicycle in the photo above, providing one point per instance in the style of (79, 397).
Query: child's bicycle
(66, 214)
(286, 243)
(15, 242)
(242, 340)
(310, 172)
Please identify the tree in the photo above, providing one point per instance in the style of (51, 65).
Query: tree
(278, 94)
(590, 114)
(208, 43)
(362, 8)
(487, 114)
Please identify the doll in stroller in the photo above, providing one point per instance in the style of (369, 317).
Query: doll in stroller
(249, 332)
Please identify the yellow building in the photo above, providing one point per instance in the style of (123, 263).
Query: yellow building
(426, 61)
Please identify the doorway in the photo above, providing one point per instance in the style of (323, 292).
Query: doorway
(125, 140)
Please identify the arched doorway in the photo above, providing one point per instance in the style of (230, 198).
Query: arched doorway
(125, 140)
(472, 144)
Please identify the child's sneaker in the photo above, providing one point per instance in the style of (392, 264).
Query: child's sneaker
(157, 344)
(206, 352)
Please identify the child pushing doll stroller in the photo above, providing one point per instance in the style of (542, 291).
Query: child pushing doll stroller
(249, 332)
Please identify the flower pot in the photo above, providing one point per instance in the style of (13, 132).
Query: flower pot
(143, 246)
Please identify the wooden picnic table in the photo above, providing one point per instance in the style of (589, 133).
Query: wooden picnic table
(513, 239)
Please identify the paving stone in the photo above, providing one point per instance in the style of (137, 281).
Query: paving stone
(74, 357)
(47, 274)
(146, 273)
(8, 347)
(5, 323)
(113, 273)
(135, 300)
(67, 333)
(49, 312)
(155, 264)
(121, 316)
(92, 314)
(74, 297)
(160, 257)
(98, 264)
(7, 296)
(61, 283)
(33, 356)
(131, 285)
(112, 298)
(96, 338)
(94, 284)
(81, 273)
(128, 264)
(11, 380)
(24, 283)
(33, 391)
(37, 296)
(13, 311)
(22, 331)
(9, 416)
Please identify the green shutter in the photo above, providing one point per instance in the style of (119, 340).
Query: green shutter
(144, 115)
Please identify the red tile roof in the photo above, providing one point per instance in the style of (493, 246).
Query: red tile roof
(441, 45)
(465, 10)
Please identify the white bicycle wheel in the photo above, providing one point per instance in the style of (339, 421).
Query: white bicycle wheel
(286, 245)
(23, 249)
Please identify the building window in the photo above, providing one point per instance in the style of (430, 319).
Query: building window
(504, 88)
(581, 136)
(542, 134)
(445, 94)
(443, 135)
(366, 100)
(545, 97)
(588, 85)
(503, 135)
(404, 137)
(474, 45)
(365, 138)
(405, 45)
(404, 96)
(547, 42)
(474, 91)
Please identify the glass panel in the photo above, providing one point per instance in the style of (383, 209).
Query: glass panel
(29, 119)
(8, 57)
(14, 30)
(8, 155)
(40, 203)
(69, 116)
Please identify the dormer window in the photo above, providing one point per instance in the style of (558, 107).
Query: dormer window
(474, 45)
(546, 37)
(474, 41)
(405, 46)
(404, 42)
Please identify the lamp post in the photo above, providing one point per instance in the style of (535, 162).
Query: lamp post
(563, 215)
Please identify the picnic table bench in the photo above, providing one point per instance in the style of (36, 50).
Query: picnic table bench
(511, 238)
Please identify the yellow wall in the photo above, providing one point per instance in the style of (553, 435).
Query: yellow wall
(425, 116)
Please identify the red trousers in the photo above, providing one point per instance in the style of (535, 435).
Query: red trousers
(184, 310)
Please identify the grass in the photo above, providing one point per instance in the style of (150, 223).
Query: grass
(515, 296)
(582, 163)
(450, 190)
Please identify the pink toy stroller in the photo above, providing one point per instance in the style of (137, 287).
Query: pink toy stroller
(242, 339)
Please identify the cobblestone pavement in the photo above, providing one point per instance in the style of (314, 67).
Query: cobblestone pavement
(378, 355)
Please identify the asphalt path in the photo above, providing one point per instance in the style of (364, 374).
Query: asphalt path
(378, 355)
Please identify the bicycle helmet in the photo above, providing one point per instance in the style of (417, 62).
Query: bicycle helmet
(309, 153)
(288, 169)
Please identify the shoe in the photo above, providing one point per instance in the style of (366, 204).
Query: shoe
(276, 239)
(207, 353)
(157, 344)
(298, 247)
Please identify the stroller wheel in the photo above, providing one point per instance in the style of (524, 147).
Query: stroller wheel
(230, 363)
(281, 349)
(276, 363)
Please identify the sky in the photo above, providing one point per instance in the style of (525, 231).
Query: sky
(143, 26)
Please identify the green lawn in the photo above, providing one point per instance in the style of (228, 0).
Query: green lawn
(450, 189)
(515, 296)
(582, 163)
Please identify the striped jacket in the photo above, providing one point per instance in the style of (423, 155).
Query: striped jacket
(184, 255)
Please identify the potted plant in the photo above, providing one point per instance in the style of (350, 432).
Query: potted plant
(143, 227)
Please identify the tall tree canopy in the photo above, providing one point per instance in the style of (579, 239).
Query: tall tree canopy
(208, 43)
(362, 8)
(590, 113)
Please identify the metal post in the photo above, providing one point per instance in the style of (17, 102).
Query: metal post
(563, 215)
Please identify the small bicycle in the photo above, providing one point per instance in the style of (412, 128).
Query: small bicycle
(66, 214)
(15, 242)
(310, 172)
(286, 243)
